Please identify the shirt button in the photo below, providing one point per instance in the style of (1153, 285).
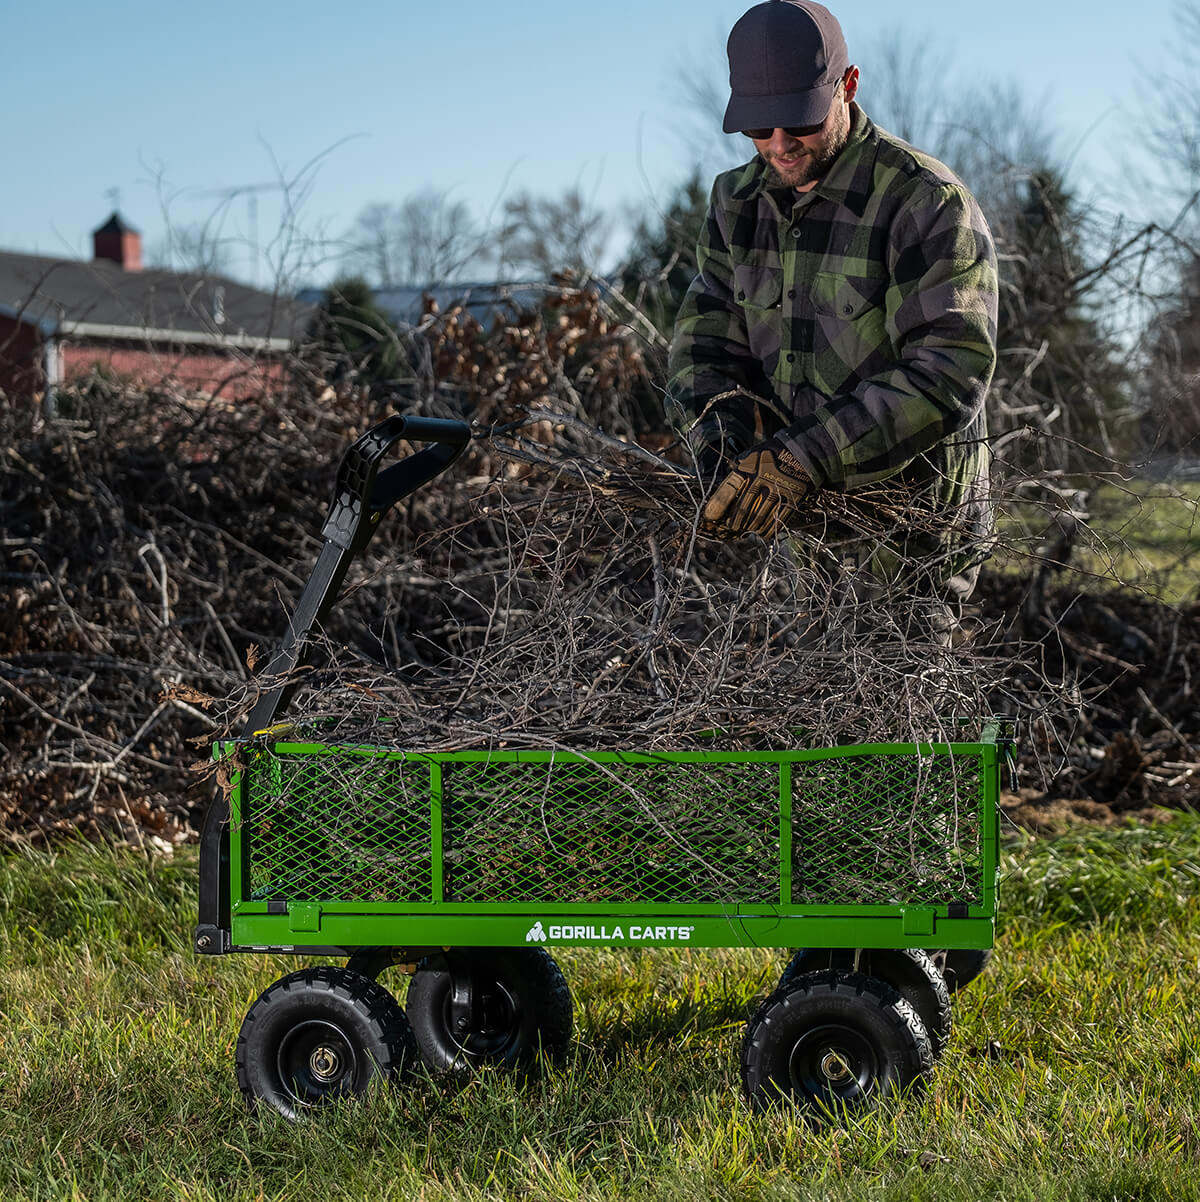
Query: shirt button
(791, 294)
(741, 296)
(795, 231)
(848, 309)
(791, 358)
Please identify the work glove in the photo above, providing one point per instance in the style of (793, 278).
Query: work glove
(759, 495)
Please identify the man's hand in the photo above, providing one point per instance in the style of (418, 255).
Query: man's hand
(759, 494)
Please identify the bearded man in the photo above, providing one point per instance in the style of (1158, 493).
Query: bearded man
(841, 330)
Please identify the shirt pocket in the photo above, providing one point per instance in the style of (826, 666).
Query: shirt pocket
(848, 297)
(756, 287)
(758, 291)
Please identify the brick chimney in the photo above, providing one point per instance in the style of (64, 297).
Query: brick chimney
(118, 242)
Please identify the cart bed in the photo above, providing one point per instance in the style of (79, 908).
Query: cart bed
(880, 845)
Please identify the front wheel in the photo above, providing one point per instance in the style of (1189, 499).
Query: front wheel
(832, 1042)
(318, 1035)
(478, 1006)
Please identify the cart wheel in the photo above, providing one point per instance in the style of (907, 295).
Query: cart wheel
(476, 1006)
(833, 1042)
(960, 966)
(910, 971)
(321, 1034)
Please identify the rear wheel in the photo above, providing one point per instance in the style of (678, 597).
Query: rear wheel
(500, 1006)
(833, 1042)
(318, 1035)
(910, 971)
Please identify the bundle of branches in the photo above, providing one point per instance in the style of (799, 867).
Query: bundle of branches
(583, 606)
(585, 609)
(1122, 730)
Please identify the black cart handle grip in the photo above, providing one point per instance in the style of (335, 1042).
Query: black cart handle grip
(362, 494)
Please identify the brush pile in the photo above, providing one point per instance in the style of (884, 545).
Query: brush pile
(552, 590)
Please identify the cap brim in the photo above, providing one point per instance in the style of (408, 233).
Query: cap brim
(809, 107)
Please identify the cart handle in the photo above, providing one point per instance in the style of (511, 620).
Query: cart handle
(362, 494)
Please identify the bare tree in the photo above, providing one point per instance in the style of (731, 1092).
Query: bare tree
(906, 80)
(543, 235)
(702, 81)
(425, 239)
(1174, 137)
(199, 247)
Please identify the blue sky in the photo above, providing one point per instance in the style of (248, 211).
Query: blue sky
(177, 108)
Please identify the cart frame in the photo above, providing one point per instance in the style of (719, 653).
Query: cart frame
(270, 912)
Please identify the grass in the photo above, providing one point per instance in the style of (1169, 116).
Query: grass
(1142, 534)
(1148, 533)
(1073, 1071)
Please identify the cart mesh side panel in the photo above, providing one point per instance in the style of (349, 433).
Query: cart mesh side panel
(336, 827)
(579, 832)
(885, 829)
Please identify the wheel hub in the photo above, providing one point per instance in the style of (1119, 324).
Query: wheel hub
(834, 1067)
(491, 1023)
(316, 1060)
(833, 1062)
(325, 1063)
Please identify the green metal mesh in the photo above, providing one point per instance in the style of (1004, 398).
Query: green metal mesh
(876, 829)
(579, 832)
(867, 829)
(336, 827)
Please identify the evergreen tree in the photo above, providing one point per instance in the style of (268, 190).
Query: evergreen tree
(662, 258)
(1059, 370)
(351, 342)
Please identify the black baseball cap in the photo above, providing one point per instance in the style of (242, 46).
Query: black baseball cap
(786, 58)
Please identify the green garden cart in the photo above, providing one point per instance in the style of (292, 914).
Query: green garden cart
(468, 868)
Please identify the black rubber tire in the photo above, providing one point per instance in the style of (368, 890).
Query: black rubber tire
(521, 1005)
(910, 971)
(831, 1043)
(960, 966)
(321, 1034)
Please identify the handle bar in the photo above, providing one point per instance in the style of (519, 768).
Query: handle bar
(362, 494)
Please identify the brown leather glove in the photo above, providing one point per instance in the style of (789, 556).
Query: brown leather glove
(759, 494)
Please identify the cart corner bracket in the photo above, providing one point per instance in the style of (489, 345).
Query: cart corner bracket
(917, 920)
(304, 916)
(210, 940)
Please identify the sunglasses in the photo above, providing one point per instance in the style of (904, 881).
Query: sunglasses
(792, 131)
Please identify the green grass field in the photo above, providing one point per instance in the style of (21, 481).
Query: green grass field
(1073, 1071)
(1141, 534)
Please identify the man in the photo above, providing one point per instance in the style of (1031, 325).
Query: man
(841, 329)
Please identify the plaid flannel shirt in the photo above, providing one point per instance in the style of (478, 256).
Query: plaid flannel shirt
(857, 320)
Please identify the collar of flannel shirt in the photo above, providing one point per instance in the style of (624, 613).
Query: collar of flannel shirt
(848, 182)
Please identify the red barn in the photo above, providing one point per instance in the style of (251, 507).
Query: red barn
(62, 318)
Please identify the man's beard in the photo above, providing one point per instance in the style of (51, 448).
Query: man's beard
(812, 166)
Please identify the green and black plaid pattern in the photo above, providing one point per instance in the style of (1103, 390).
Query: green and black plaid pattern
(861, 315)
